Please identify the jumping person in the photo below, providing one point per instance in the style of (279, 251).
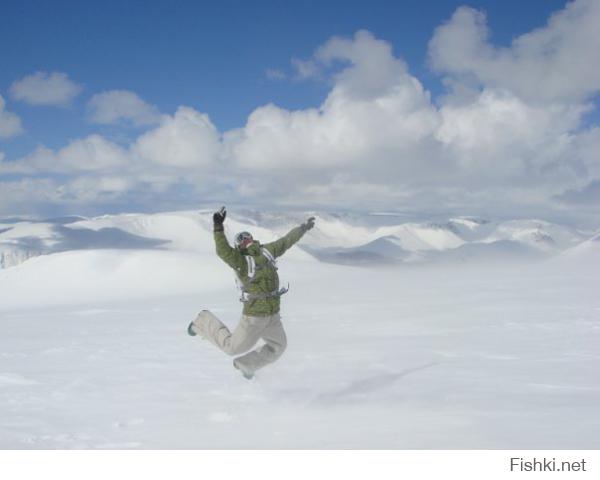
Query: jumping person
(256, 270)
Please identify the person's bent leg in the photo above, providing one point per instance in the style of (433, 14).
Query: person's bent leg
(275, 345)
(244, 337)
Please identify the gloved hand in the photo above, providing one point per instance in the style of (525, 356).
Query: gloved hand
(219, 218)
(310, 223)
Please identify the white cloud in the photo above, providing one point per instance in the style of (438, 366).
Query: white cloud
(180, 150)
(90, 189)
(27, 195)
(375, 115)
(558, 62)
(43, 88)
(275, 74)
(588, 195)
(10, 124)
(378, 132)
(377, 140)
(374, 70)
(42, 160)
(184, 142)
(91, 154)
(586, 146)
(499, 136)
(23, 195)
(186, 139)
(305, 68)
(118, 106)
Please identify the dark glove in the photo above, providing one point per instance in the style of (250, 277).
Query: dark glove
(219, 218)
(310, 223)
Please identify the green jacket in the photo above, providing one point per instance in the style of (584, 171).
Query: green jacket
(265, 280)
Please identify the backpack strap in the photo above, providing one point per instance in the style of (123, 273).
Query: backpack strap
(251, 266)
(269, 256)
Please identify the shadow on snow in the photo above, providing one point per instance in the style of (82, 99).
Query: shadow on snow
(362, 388)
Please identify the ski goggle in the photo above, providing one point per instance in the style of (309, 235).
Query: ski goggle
(243, 239)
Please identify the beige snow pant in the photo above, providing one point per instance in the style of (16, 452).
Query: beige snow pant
(249, 331)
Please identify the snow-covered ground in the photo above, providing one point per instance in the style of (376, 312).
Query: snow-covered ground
(94, 351)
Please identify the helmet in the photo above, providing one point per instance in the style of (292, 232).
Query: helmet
(243, 239)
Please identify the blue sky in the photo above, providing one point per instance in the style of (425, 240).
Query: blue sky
(224, 59)
(211, 55)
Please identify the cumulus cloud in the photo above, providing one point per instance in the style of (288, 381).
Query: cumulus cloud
(558, 62)
(588, 195)
(497, 137)
(178, 154)
(10, 124)
(90, 189)
(378, 140)
(369, 121)
(379, 132)
(43, 88)
(186, 139)
(586, 146)
(91, 154)
(118, 106)
(374, 72)
(49, 195)
(28, 193)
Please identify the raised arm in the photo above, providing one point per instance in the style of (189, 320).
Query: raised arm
(279, 247)
(226, 252)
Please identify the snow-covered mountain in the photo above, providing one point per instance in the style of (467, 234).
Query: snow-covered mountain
(118, 257)
(539, 234)
(338, 238)
(463, 239)
(585, 253)
(94, 350)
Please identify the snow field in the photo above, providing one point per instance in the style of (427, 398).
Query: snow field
(377, 358)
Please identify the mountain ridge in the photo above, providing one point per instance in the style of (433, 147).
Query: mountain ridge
(336, 238)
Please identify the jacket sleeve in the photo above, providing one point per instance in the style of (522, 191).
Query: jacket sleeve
(279, 247)
(229, 255)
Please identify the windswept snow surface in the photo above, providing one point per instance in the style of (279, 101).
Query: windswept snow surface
(94, 353)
